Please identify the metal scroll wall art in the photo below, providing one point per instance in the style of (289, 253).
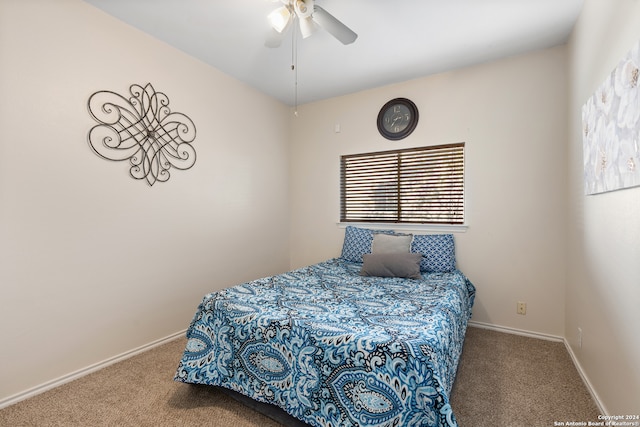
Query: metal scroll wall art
(143, 130)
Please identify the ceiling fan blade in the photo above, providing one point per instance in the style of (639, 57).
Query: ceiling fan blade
(334, 27)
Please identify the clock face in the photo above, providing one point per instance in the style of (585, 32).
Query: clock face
(397, 118)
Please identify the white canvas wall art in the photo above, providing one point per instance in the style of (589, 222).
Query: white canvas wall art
(611, 129)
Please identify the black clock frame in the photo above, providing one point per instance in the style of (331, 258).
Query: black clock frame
(413, 122)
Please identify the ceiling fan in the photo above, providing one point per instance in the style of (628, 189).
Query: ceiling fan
(310, 17)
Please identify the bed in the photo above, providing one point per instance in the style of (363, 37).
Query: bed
(341, 342)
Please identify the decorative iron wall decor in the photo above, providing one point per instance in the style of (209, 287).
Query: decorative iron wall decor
(610, 124)
(143, 130)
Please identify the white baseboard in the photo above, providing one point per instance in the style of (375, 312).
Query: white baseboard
(85, 371)
(515, 331)
(585, 380)
(583, 376)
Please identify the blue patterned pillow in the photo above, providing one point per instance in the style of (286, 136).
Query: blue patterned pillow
(438, 252)
(357, 242)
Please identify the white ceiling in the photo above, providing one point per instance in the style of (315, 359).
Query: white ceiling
(398, 40)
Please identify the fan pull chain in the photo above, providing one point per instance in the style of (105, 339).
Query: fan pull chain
(294, 68)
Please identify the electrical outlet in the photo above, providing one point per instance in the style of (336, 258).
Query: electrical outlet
(579, 337)
(521, 308)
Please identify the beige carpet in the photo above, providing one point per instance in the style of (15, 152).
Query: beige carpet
(503, 380)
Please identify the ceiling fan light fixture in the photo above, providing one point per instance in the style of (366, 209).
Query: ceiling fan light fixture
(307, 27)
(280, 18)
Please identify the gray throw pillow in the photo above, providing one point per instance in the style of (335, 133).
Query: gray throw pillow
(405, 265)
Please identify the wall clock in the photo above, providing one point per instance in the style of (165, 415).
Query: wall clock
(397, 119)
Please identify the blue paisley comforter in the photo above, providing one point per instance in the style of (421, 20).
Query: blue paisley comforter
(333, 348)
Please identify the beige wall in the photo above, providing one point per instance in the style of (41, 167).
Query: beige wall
(94, 263)
(512, 116)
(603, 286)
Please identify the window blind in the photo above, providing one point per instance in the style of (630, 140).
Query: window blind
(415, 185)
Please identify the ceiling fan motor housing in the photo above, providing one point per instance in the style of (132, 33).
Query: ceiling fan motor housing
(303, 8)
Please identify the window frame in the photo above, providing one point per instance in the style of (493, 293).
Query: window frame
(451, 194)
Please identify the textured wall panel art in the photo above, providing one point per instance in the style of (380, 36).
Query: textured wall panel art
(142, 129)
(611, 129)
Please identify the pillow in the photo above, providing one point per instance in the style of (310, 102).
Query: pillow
(391, 243)
(357, 242)
(438, 252)
(405, 265)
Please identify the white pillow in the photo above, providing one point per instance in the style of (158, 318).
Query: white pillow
(391, 243)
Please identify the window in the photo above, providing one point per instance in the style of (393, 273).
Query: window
(416, 185)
